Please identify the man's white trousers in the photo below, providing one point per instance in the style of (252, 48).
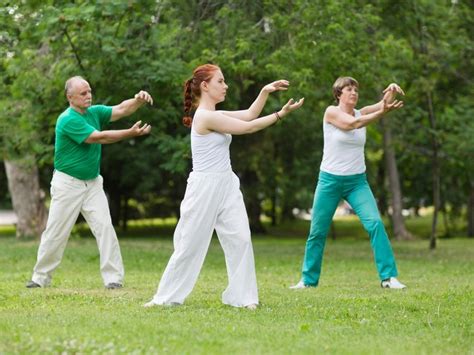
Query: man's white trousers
(69, 197)
(212, 201)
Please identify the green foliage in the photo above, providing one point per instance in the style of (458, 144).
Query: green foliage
(124, 46)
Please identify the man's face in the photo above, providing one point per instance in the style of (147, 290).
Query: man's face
(80, 95)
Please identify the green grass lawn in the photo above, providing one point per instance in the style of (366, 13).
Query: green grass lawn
(348, 312)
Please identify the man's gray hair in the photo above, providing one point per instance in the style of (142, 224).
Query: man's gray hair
(69, 82)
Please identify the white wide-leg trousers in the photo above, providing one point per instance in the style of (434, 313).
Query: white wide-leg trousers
(69, 197)
(212, 201)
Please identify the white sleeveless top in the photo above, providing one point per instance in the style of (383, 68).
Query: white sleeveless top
(210, 152)
(343, 150)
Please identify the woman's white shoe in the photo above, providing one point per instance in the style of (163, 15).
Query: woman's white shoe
(252, 306)
(153, 304)
(299, 285)
(392, 283)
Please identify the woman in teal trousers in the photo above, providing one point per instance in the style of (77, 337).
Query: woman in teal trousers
(342, 176)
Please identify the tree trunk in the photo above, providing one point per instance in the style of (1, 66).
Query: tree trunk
(115, 205)
(398, 223)
(273, 212)
(274, 187)
(470, 212)
(436, 170)
(254, 209)
(254, 212)
(125, 213)
(382, 195)
(287, 210)
(446, 221)
(27, 198)
(333, 230)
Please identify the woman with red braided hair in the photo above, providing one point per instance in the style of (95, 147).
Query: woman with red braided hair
(213, 199)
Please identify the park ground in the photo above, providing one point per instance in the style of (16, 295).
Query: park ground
(347, 314)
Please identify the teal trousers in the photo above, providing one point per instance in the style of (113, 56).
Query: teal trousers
(356, 190)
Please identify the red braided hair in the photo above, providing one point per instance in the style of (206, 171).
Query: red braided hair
(192, 89)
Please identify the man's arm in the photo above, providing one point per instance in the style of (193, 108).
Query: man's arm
(112, 136)
(127, 107)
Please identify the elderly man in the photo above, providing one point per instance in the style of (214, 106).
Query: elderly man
(77, 186)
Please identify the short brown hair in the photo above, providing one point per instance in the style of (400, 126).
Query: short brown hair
(340, 84)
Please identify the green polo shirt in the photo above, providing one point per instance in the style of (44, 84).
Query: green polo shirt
(71, 154)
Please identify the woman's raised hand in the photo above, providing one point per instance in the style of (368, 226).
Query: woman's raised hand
(279, 85)
(291, 105)
(395, 105)
(391, 91)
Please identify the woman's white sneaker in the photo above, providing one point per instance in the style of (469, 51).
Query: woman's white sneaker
(153, 304)
(150, 304)
(299, 285)
(252, 306)
(392, 283)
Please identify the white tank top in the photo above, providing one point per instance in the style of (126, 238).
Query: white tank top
(210, 152)
(343, 150)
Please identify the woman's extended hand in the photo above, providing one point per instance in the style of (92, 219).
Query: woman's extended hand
(391, 91)
(290, 106)
(279, 85)
(395, 105)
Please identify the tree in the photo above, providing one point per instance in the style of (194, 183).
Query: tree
(438, 35)
(122, 47)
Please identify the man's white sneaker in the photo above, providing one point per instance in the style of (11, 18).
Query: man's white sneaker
(392, 283)
(299, 285)
(150, 304)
